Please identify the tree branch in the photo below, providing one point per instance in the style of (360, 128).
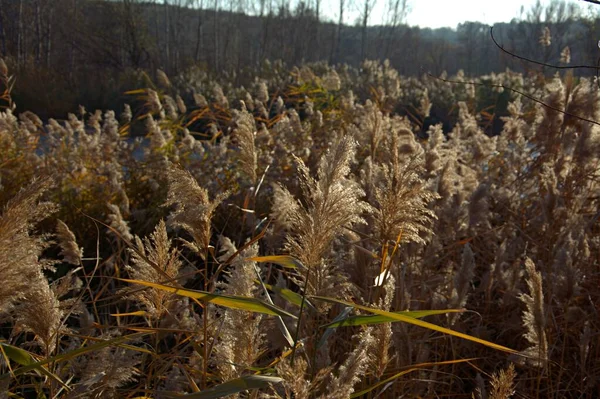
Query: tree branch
(596, 68)
(518, 92)
(593, 2)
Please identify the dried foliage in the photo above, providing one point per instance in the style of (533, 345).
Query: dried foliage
(155, 261)
(20, 251)
(255, 203)
(503, 383)
(534, 317)
(70, 251)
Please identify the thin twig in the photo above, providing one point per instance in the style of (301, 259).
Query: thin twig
(544, 64)
(518, 92)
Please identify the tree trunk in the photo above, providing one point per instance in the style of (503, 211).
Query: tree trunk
(398, 13)
(2, 30)
(363, 35)
(216, 36)
(49, 34)
(72, 56)
(335, 47)
(167, 37)
(176, 27)
(157, 29)
(266, 24)
(38, 32)
(20, 36)
(317, 43)
(199, 30)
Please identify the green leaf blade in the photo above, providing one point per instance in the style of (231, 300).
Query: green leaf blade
(286, 261)
(367, 320)
(417, 322)
(17, 355)
(229, 301)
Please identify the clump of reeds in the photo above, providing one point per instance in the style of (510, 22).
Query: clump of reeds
(341, 213)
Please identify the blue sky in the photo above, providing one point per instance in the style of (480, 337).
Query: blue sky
(440, 13)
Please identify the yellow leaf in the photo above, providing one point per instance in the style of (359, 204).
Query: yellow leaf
(378, 319)
(138, 91)
(286, 261)
(138, 313)
(228, 301)
(416, 322)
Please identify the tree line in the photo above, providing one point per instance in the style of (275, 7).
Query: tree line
(87, 48)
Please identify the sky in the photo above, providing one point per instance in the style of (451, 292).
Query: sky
(443, 13)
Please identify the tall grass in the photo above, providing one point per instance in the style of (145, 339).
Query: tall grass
(308, 237)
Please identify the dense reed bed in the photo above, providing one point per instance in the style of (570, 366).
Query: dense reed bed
(316, 235)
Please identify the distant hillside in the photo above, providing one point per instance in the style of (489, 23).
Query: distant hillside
(81, 51)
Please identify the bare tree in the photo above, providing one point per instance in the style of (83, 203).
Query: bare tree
(216, 35)
(177, 31)
(397, 10)
(199, 29)
(167, 36)
(338, 32)
(48, 34)
(38, 31)
(2, 30)
(20, 33)
(524, 38)
(365, 15)
(317, 25)
(72, 49)
(132, 27)
(471, 36)
(266, 27)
